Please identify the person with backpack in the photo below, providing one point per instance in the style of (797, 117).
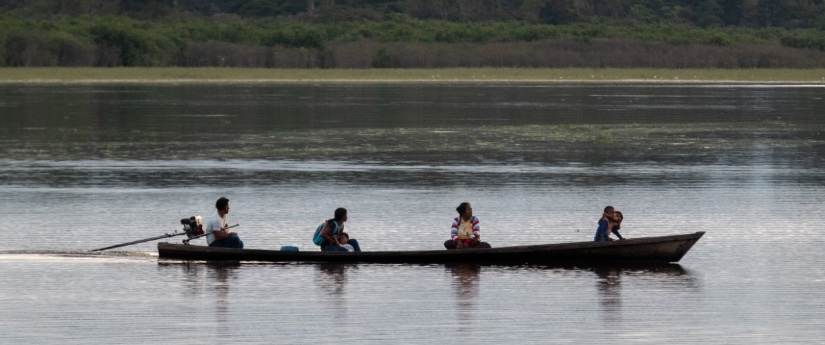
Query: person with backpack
(328, 235)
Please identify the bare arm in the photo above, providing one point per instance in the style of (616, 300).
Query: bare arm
(326, 234)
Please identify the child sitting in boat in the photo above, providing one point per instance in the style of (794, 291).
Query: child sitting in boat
(617, 224)
(344, 240)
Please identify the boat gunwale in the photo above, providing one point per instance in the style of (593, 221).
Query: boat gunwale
(440, 253)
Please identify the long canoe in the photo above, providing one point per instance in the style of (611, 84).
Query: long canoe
(661, 249)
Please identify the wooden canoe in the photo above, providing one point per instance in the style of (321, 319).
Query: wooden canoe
(661, 249)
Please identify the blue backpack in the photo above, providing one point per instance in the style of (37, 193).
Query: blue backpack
(317, 239)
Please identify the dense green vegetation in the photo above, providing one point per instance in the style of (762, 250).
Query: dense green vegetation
(404, 33)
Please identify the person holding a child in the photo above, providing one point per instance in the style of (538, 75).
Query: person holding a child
(331, 236)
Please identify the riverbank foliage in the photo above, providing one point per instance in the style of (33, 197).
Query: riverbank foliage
(414, 34)
(220, 75)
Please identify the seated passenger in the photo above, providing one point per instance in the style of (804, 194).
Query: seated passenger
(328, 235)
(344, 240)
(465, 230)
(605, 225)
(217, 234)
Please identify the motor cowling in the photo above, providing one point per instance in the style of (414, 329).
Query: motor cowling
(192, 226)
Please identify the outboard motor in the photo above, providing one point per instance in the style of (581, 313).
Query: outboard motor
(192, 226)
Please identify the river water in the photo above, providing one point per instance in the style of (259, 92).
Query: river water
(88, 166)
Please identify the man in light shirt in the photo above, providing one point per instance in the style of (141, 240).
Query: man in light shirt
(217, 234)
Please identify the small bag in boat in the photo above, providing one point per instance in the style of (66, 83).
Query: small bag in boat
(317, 239)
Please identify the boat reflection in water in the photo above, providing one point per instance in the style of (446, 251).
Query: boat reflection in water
(618, 289)
(221, 275)
(465, 279)
(333, 278)
(609, 287)
(210, 282)
(610, 279)
(615, 285)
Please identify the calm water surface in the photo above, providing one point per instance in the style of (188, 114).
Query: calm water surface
(83, 167)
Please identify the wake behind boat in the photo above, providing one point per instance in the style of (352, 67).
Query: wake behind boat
(661, 249)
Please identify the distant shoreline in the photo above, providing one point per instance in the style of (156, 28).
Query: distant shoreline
(217, 75)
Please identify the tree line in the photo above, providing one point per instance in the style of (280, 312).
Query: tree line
(702, 13)
(404, 33)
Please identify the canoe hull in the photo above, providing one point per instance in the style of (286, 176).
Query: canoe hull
(662, 249)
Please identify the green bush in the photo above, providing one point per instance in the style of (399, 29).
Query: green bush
(809, 39)
(382, 59)
(299, 37)
(128, 43)
(135, 47)
(528, 33)
(719, 39)
(28, 48)
(71, 50)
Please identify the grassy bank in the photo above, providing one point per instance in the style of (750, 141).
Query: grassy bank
(58, 75)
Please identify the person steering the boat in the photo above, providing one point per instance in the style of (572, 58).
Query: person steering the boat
(465, 230)
(217, 232)
(329, 234)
